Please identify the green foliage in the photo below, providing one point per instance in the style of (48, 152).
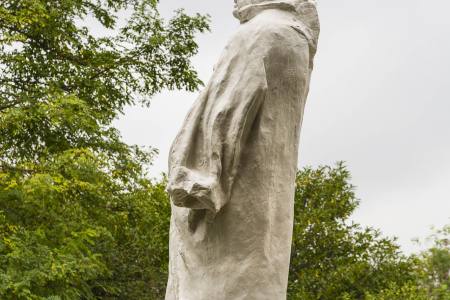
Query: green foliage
(409, 291)
(79, 218)
(433, 266)
(54, 70)
(74, 228)
(431, 270)
(333, 258)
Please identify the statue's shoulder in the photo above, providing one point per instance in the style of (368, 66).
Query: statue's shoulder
(265, 25)
(283, 26)
(274, 29)
(267, 31)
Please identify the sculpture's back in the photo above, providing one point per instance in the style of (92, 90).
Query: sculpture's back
(232, 167)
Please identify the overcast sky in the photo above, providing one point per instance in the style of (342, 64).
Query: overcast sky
(379, 100)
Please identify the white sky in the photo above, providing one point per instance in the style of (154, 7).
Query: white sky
(379, 100)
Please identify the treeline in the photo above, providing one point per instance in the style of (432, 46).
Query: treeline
(79, 216)
(334, 258)
(71, 232)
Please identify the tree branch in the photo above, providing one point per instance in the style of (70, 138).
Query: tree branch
(9, 105)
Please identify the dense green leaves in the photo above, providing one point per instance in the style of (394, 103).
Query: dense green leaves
(75, 229)
(434, 265)
(333, 258)
(54, 70)
(79, 218)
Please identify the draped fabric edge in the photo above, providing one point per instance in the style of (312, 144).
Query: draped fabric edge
(206, 190)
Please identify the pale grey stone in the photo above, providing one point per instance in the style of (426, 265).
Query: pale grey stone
(232, 166)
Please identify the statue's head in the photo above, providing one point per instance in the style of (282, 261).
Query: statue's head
(306, 11)
(242, 3)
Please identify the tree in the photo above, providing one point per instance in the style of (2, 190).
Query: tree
(332, 257)
(431, 270)
(79, 218)
(71, 230)
(409, 291)
(433, 266)
(61, 86)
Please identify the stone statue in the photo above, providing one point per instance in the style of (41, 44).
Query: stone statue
(232, 166)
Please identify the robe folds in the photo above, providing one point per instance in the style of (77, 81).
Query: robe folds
(232, 166)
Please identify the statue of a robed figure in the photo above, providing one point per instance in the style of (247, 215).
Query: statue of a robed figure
(232, 166)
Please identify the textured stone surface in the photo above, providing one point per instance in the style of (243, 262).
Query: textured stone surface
(232, 166)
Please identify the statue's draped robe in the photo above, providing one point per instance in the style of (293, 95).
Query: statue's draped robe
(232, 167)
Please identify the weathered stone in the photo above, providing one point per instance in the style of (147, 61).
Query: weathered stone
(232, 166)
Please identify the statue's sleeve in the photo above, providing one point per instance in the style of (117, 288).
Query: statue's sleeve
(206, 154)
